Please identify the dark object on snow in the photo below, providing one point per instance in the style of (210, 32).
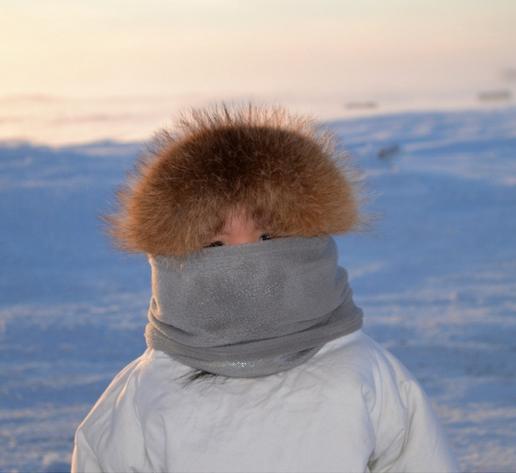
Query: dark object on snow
(388, 151)
(494, 95)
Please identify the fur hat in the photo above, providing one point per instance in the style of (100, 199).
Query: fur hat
(276, 167)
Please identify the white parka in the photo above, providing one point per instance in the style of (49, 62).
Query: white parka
(353, 407)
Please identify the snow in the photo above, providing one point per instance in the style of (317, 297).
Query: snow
(435, 275)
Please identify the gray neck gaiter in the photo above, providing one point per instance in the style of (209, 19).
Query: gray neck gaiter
(252, 309)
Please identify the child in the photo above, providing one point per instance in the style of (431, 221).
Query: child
(235, 209)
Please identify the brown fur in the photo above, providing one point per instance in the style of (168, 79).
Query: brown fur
(277, 167)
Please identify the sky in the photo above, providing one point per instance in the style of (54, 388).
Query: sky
(109, 47)
(293, 50)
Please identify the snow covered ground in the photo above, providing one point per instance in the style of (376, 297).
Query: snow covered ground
(436, 278)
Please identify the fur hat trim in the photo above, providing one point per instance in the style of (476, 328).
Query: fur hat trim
(278, 168)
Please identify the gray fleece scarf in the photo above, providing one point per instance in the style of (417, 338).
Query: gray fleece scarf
(252, 309)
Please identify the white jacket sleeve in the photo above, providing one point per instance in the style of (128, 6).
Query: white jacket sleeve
(83, 457)
(426, 447)
(409, 435)
(110, 437)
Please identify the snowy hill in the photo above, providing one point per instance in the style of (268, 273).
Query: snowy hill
(436, 278)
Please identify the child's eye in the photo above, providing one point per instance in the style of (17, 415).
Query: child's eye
(214, 243)
(263, 236)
